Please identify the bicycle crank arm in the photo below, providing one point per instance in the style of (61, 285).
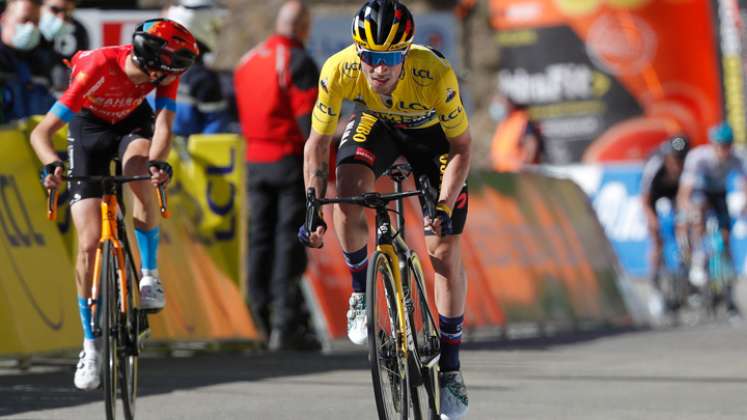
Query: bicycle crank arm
(433, 361)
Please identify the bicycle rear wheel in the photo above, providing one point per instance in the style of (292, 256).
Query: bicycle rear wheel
(425, 395)
(388, 365)
(128, 360)
(109, 316)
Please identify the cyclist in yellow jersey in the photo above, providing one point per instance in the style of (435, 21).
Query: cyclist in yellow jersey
(407, 103)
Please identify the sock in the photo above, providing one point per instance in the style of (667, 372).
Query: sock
(85, 318)
(90, 346)
(357, 262)
(147, 244)
(451, 339)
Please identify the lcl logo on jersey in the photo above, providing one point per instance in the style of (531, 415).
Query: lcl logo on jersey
(451, 115)
(325, 109)
(414, 106)
(351, 69)
(422, 77)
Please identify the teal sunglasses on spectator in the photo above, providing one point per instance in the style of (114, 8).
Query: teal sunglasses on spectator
(387, 58)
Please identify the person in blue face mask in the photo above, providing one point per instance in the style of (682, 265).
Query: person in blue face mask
(24, 75)
(64, 36)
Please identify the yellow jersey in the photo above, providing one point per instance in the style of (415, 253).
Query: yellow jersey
(426, 94)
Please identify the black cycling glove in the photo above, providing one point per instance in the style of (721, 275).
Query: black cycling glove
(443, 212)
(163, 166)
(49, 169)
(303, 233)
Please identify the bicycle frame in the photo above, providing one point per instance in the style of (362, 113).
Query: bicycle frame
(109, 229)
(391, 246)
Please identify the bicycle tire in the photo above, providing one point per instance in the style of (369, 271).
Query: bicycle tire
(129, 362)
(388, 366)
(425, 396)
(109, 316)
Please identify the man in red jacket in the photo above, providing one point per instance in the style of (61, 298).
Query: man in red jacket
(276, 87)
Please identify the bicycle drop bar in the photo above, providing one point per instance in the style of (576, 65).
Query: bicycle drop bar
(374, 200)
(53, 194)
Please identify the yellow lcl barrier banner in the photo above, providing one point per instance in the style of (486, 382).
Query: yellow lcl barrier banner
(208, 187)
(38, 309)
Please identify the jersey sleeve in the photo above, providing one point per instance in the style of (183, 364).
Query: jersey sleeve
(86, 78)
(449, 107)
(328, 105)
(692, 170)
(649, 172)
(166, 96)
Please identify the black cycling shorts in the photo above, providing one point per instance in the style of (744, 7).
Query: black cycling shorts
(716, 201)
(93, 143)
(372, 142)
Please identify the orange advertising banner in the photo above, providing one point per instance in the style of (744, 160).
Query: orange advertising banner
(533, 251)
(608, 80)
(202, 301)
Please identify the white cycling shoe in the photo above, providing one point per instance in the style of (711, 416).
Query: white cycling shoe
(151, 293)
(357, 319)
(698, 276)
(88, 372)
(454, 400)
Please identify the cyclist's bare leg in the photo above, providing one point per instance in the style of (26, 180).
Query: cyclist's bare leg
(697, 224)
(655, 256)
(135, 162)
(451, 281)
(86, 216)
(352, 232)
(350, 221)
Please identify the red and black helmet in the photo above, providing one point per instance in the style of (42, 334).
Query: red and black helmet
(162, 44)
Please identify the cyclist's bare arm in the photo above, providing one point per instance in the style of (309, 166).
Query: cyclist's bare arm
(316, 174)
(316, 162)
(651, 218)
(161, 142)
(683, 197)
(457, 169)
(41, 141)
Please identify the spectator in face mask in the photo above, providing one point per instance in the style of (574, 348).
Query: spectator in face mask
(24, 65)
(64, 35)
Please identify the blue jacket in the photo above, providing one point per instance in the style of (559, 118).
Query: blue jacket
(200, 105)
(24, 83)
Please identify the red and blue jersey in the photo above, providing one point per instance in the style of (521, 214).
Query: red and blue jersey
(99, 84)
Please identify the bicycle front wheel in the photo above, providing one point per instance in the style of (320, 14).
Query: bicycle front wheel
(388, 364)
(128, 360)
(426, 338)
(109, 315)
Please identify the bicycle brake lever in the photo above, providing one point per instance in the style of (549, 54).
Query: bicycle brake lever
(429, 198)
(162, 202)
(52, 197)
(311, 208)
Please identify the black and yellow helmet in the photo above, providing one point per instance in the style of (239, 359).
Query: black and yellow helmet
(383, 25)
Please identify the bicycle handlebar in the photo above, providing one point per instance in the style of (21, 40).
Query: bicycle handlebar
(373, 200)
(53, 194)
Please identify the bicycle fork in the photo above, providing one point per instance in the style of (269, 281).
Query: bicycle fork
(109, 210)
(403, 339)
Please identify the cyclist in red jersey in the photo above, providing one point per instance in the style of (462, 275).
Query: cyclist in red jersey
(108, 117)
